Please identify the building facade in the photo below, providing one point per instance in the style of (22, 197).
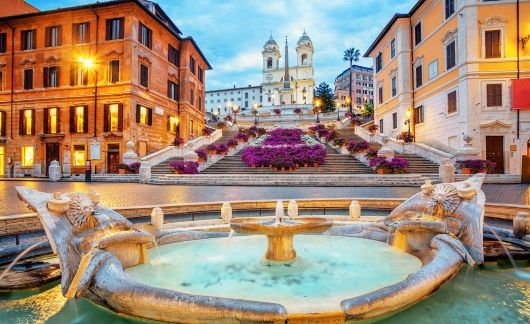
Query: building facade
(221, 102)
(362, 90)
(447, 69)
(79, 83)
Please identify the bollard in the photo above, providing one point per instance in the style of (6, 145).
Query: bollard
(521, 225)
(355, 210)
(157, 218)
(226, 212)
(292, 209)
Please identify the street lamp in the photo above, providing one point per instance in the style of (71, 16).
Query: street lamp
(235, 109)
(338, 110)
(216, 115)
(89, 64)
(255, 113)
(317, 109)
(408, 122)
(304, 93)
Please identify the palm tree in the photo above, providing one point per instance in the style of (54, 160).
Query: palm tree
(351, 55)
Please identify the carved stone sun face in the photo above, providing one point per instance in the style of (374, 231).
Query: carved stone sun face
(445, 196)
(81, 211)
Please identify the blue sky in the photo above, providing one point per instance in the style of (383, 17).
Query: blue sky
(232, 33)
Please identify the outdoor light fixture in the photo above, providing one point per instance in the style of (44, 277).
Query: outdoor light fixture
(317, 108)
(338, 110)
(87, 62)
(525, 40)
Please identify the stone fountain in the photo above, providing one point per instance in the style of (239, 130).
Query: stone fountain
(280, 232)
(426, 239)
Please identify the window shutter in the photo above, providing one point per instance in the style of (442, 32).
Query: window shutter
(85, 119)
(75, 33)
(58, 119)
(106, 119)
(169, 89)
(32, 121)
(122, 27)
(138, 113)
(72, 75)
(72, 119)
(59, 35)
(150, 38)
(120, 117)
(4, 124)
(23, 39)
(149, 116)
(87, 32)
(168, 122)
(58, 73)
(34, 39)
(47, 37)
(46, 120)
(45, 75)
(108, 28)
(21, 122)
(140, 29)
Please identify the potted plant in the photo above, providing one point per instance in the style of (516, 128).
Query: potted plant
(134, 167)
(251, 133)
(222, 149)
(122, 168)
(261, 131)
(212, 149)
(379, 163)
(232, 143)
(372, 153)
(178, 141)
(221, 125)
(241, 137)
(348, 115)
(180, 167)
(358, 147)
(277, 112)
(202, 154)
(355, 121)
(405, 137)
(228, 118)
(207, 131)
(373, 128)
(398, 165)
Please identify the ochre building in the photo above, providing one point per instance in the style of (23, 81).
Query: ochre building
(79, 83)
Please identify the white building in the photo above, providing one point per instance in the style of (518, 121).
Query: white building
(223, 100)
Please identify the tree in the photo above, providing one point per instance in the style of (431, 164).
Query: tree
(351, 55)
(324, 93)
(368, 110)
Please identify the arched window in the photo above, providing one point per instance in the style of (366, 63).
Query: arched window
(304, 59)
(192, 97)
(200, 104)
(269, 63)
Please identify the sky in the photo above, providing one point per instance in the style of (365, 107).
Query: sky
(231, 33)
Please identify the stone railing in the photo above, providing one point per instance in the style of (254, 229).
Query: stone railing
(283, 118)
(148, 161)
(419, 149)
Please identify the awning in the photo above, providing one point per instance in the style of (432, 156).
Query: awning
(521, 94)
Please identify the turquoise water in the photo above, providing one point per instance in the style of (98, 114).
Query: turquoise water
(490, 294)
(327, 270)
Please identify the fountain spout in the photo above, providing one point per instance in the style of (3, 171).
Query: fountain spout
(280, 215)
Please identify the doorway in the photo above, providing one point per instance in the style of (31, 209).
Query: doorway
(2, 161)
(113, 158)
(525, 169)
(52, 153)
(495, 152)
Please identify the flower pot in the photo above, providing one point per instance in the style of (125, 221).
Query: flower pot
(275, 169)
(290, 169)
(241, 140)
(306, 164)
(213, 152)
(232, 146)
(466, 171)
(315, 164)
(253, 165)
(380, 171)
(201, 160)
(222, 153)
(177, 172)
(121, 171)
(283, 169)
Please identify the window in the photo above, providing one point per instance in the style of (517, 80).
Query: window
(53, 36)
(27, 156)
(3, 123)
(433, 69)
(393, 48)
(192, 97)
(269, 63)
(449, 8)
(145, 35)
(200, 103)
(304, 59)
(26, 122)
(380, 94)
(28, 79)
(172, 122)
(417, 34)
(79, 119)
(114, 28)
(51, 77)
(172, 90)
(451, 102)
(28, 39)
(394, 86)
(201, 75)
(114, 71)
(494, 93)
(381, 124)
(3, 42)
(113, 118)
(81, 33)
(493, 43)
(78, 75)
(358, 100)
(379, 62)
(419, 76)
(78, 155)
(394, 120)
(418, 115)
(144, 115)
(450, 55)
(1, 81)
(192, 65)
(51, 121)
(144, 75)
(173, 55)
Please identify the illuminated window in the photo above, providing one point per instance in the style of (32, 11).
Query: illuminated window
(27, 156)
(28, 118)
(113, 118)
(3, 123)
(79, 118)
(113, 110)
(172, 123)
(79, 155)
(51, 125)
(144, 115)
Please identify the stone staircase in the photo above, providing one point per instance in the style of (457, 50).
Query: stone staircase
(349, 135)
(335, 164)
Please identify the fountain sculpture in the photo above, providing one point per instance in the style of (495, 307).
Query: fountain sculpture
(101, 255)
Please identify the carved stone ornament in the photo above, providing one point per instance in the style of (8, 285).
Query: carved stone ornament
(444, 198)
(144, 59)
(172, 76)
(493, 22)
(450, 36)
(27, 62)
(52, 60)
(113, 54)
(81, 212)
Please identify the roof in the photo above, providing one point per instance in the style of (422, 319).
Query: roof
(175, 33)
(356, 68)
(16, 7)
(391, 23)
(232, 89)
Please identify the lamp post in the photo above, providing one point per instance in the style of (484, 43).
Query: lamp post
(338, 110)
(317, 109)
(408, 122)
(216, 115)
(89, 64)
(235, 109)
(255, 112)
(304, 93)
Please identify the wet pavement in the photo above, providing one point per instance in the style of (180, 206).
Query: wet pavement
(134, 194)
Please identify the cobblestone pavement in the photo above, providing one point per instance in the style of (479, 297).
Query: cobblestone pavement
(133, 194)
